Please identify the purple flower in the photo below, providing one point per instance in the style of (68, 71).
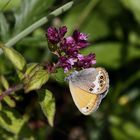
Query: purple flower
(65, 63)
(62, 31)
(70, 41)
(80, 39)
(80, 62)
(69, 47)
(56, 35)
(72, 44)
(86, 61)
(52, 35)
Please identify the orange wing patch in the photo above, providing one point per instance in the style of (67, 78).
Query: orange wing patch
(84, 100)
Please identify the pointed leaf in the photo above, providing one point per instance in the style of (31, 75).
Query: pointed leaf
(15, 57)
(4, 82)
(39, 78)
(30, 71)
(32, 68)
(11, 120)
(47, 103)
(9, 101)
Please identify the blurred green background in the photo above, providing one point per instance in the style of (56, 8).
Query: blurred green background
(114, 34)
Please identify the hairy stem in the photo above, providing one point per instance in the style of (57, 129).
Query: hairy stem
(10, 90)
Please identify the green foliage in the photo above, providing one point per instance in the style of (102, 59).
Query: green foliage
(114, 33)
(15, 57)
(104, 48)
(4, 27)
(133, 5)
(5, 85)
(11, 120)
(24, 15)
(47, 103)
(35, 77)
(9, 4)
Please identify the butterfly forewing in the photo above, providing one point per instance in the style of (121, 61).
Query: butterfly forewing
(84, 78)
(92, 80)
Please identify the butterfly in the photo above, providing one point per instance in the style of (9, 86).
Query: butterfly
(88, 87)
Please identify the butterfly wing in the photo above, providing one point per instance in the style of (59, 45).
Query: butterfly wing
(92, 80)
(85, 102)
(84, 78)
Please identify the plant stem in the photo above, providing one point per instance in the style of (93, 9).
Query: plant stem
(10, 90)
(38, 23)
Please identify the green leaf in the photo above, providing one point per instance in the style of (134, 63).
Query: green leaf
(95, 23)
(15, 57)
(2, 3)
(118, 134)
(5, 135)
(4, 82)
(30, 11)
(132, 130)
(73, 14)
(9, 101)
(134, 6)
(35, 41)
(4, 28)
(133, 52)
(59, 76)
(110, 8)
(32, 68)
(47, 103)
(96, 27)
(11, 120)
(36, 78)
(7, 5)
(108, 54)
(0, 106)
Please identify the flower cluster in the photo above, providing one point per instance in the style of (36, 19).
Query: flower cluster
(68, 48)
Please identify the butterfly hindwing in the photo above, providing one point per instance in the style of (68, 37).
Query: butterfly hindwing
(85, 102)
